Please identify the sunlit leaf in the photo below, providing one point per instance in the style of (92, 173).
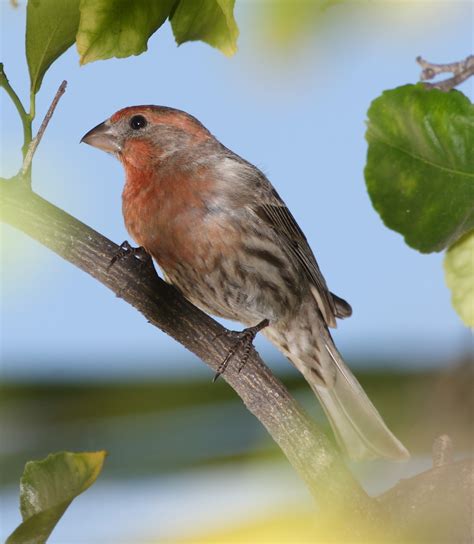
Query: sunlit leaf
(118, 28)
(51, 28)
(420, 164)
(211, 21)
(47, 488)
(459, 274)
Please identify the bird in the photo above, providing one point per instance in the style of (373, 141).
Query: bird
(226, 240)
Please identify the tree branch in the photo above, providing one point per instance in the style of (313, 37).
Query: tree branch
(434, 506)
(305, 445)
(461, 71)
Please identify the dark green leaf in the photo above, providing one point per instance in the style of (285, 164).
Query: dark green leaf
(47, 488)
(420, 164)
(211, 21)
(51, 27)
(118, 28)
(459, 274)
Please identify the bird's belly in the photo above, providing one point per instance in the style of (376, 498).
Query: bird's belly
(218, 295)
(234, 286)
(219, 265)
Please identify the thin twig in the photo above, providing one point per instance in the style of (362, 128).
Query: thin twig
(443, 451)
(37, 139)
(461, 71)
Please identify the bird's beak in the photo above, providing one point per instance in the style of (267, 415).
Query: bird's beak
(102, 136)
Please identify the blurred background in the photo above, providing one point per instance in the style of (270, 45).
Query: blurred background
(81, 370)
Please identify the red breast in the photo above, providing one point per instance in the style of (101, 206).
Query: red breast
(166, 211)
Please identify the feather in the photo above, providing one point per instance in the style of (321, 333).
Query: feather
(277, 215)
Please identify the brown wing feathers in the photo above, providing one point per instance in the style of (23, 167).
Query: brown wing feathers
(280, 218)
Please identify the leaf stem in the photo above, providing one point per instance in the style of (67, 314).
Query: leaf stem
(32, 105)
(26, 119)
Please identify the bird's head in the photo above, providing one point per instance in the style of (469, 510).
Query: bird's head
(147, 134)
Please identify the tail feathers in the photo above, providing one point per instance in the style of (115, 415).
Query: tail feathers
(357, 425)
(343, 308)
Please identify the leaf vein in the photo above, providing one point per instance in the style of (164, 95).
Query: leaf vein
(425, 160)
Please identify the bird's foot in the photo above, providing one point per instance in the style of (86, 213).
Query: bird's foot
(126, 250)
(243, 341)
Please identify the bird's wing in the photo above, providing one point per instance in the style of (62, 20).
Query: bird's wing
(275, 213)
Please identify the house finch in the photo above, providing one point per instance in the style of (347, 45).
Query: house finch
(223, 236)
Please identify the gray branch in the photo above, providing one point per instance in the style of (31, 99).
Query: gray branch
(434, 506)
(26, 167)
(461, 71)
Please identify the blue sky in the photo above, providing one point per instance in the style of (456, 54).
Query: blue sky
(299, 115)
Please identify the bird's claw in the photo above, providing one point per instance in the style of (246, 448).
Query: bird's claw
(244, 341)
(126, 250)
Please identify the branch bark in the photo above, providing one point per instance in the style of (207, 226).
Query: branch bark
(434, 506)
(304, 444)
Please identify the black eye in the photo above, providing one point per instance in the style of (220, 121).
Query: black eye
(137, 122)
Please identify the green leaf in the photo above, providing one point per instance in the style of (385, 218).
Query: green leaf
(51, 28)
(118, 28)
(211, 21)
(459, 274)
(47, 488)
(420, 164)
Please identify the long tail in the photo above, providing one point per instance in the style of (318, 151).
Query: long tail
(357, 425)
